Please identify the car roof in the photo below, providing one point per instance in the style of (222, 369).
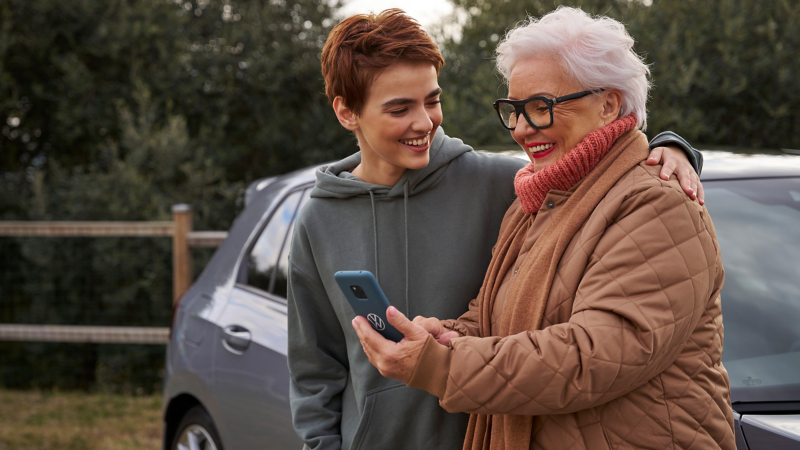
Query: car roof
(742, 163)
(297, 178)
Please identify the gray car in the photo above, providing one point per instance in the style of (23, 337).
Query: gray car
(227, 382)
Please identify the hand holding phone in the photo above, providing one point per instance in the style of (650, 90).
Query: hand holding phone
(368, 300)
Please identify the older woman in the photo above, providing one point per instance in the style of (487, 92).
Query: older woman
(588, 333)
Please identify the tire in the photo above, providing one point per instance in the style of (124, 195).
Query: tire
(196, 431)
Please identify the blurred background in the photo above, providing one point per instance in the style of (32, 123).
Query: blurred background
(117, 110)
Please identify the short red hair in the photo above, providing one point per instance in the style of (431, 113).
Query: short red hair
(361, 46)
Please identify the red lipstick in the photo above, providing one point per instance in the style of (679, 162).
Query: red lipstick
(542, 153)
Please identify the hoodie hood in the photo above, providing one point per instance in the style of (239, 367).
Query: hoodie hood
(335, 180)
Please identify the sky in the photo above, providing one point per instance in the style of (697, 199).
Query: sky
(427, 12)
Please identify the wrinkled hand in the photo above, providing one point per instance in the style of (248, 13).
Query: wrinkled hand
(433, 326)
(674, 160)
(395, 360)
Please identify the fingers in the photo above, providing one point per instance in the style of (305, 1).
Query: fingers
(370, 339)
(430, 324)
(701, 194)
(409, 329)
(392, 359)
(655, 156)
(688, 181)
(444, 338)
(668, 169)
(674, 161)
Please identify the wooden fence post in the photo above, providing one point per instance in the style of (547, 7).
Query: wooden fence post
(181, 255)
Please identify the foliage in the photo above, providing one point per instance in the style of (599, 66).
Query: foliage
(116, 111)
(242, 76)
(723, 71)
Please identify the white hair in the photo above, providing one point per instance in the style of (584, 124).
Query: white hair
(596, 51)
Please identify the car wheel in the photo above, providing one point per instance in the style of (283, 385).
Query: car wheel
(196, 432)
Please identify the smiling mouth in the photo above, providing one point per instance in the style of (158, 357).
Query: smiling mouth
(418, 143)
(541, 148)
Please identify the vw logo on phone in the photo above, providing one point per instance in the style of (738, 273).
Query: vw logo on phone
(376, 322)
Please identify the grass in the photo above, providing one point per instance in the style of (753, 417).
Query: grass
(34, 420)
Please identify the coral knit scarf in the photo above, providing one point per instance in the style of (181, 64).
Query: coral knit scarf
(532, 187)
(611, 151)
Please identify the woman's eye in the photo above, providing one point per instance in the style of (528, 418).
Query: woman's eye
(398, 112)
(435, 102)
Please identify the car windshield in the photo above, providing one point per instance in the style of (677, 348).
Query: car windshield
(758, 227)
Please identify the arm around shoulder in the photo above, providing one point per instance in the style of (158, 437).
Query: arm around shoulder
(666, 138)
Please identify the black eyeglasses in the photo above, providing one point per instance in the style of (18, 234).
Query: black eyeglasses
(538, 111)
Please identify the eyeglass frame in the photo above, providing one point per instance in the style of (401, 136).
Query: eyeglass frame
(519, 106)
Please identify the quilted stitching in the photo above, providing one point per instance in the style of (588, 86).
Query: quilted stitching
(633, 332)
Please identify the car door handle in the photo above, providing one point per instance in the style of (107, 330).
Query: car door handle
(236, 338)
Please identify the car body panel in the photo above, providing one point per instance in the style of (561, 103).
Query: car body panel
(772, 432)
(196, 356)
(741, 444)
(251, 384)
(765, 389)
(722, 165)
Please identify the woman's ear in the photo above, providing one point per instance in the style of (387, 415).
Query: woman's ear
(612, 104)
(346, 116)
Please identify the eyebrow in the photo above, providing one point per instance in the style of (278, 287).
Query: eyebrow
(407, 101)
(538, 94)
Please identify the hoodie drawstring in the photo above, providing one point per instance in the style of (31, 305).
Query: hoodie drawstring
(375, 237)
(375, 233)
(405, 215)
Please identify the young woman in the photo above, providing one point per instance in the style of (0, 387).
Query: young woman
(417, 208)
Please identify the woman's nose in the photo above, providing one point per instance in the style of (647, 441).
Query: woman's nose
(523, 129)
(422, 121)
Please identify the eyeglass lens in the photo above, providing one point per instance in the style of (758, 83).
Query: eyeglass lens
(537, 111)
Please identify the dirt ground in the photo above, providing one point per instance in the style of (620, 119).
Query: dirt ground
(33, 420)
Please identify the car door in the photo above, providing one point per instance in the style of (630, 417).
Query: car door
(251, 374)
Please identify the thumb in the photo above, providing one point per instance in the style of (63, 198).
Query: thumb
(409, 329)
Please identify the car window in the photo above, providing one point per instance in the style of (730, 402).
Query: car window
(280, 281)
(263, 257)
(758, 229)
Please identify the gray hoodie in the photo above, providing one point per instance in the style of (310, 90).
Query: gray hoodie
(444, 218)
(428, 239)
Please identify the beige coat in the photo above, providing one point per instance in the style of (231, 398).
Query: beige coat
(628, 354)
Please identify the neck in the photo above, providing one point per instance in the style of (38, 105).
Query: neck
(533, 183)
(376, 170)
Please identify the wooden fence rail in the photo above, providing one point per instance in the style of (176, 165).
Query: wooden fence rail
(84, 334)
(183, 239)
(87, 229)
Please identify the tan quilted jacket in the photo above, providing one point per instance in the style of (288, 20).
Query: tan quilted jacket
(629, 351)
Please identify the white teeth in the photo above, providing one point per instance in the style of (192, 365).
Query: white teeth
(540, 148)
(416, 142)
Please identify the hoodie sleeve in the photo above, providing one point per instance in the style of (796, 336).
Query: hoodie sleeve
(671, 138)
(317, 357)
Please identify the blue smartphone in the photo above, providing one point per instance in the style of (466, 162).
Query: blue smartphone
(367, 299)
